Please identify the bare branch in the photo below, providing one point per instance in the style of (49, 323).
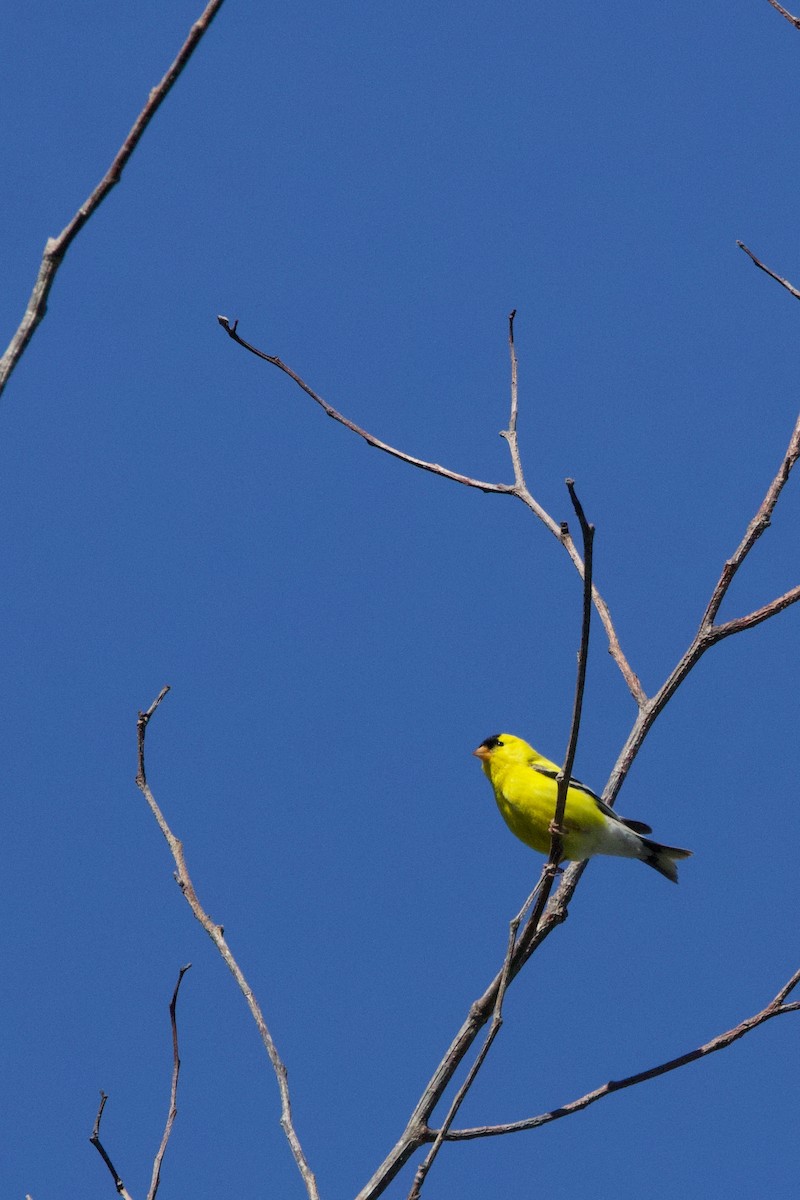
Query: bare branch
(98, 1145)
(369, 438)
(517, 953)
(739, 624)
(494, 1029)
(512, 420)
(561, 531)
(549, 913)
(792, 20)
(518, 488)
(565, 774)
(614, 648)
(56, 248)
(216, 933)
(787, 988)
(708, 633)
(510, 434)
(173, 1095)
(778, 278)
(775, 1008)
(758, 525)
(529, 938)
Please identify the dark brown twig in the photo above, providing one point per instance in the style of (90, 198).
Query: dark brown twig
(775, 1008)
(778, 278)
(57, 247)
(98, 1145)
(516, 953)
(216, 933)
(529, 934)
(173, 1095)
(176, 1066)
(709, 633)
(565, 774)
(512, 419)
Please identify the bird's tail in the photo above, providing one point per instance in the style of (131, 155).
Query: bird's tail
(662, 858)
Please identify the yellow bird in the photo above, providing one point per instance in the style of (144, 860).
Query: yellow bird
(525, 790)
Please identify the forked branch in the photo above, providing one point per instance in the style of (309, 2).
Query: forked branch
(519, 488)
(171, 1115)
(231, 329)
(775, 1008)
(217, 935)
(98, 1145)
(173, 1095)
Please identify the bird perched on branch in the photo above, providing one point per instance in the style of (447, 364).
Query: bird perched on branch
(525, 789)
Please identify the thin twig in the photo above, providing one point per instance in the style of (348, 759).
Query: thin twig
(529, 933)
(779, 8)
(216, 933)
(98, 1145)
(709, 633)
(565, 774)
(512, 420)
(561, 532)
(57, 247)
(370, 439)
(775, 1008)
(517, 952)
(173, 1095)
(758, 525)
(739, 624)
(518, 488)
(778, 278)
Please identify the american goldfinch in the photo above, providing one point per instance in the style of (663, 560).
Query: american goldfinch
(525, 790)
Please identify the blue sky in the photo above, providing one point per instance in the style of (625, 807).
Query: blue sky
(370, 191)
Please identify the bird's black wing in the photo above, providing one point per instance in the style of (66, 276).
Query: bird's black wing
(636, 826)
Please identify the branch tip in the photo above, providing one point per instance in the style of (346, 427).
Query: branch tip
(56, 248)
(216, 933)
(767, 270)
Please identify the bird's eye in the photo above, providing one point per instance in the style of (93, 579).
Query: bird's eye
(492, 743)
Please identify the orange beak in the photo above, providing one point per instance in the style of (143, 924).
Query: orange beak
(483, 753)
